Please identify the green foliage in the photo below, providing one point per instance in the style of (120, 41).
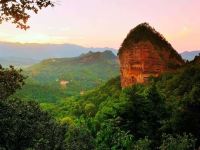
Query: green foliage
(68, 121)
(87, 105)
(123, 119)
(10, 81)
(142, 144)
(182, 91)
(70, 107)
(111, 89)
(24, 125)
(109, 117)
(90, 109)
(181, 82)
(143, 112)
(79, 138)
(80, 73)
(178, 142)
(113, 138)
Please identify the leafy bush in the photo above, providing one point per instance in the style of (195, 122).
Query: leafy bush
(178, 142)
(79, 138)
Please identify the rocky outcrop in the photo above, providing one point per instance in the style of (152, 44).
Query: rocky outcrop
(143, 56)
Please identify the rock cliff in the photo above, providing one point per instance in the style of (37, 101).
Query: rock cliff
(145, 53)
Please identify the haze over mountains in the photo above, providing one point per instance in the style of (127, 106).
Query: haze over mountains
(24, 55)
(17, 61)
(44, 51)
(189, 55)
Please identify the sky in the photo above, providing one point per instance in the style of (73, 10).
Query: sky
(105, 23)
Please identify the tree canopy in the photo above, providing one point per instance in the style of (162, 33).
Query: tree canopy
(10, 80)
(23, 125)
(18, 11)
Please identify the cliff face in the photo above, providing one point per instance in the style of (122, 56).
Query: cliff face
(142, 59)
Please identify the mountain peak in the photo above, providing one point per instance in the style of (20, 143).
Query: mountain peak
(95, 56)
(144, 53)
(144, 32)
(90, 57)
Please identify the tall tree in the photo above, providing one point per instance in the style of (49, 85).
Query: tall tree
(10, 80)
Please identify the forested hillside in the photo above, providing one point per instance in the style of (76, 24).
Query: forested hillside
(163, 114)
(56, 78)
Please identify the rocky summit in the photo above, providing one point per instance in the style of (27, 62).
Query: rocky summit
(144, 53)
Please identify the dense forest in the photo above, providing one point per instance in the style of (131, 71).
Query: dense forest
(163, 114)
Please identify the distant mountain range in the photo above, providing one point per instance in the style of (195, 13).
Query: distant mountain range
(23, 55)
(44, 51)
(189, 55)
(17, 61)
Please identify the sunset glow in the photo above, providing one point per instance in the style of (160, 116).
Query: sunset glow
(103, 23)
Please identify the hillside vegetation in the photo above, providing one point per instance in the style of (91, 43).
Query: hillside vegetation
(56, 78)
(163, 114)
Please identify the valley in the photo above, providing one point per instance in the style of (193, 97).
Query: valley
(57, 78)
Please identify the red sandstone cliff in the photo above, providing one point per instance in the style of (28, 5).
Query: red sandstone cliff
(143, 56)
